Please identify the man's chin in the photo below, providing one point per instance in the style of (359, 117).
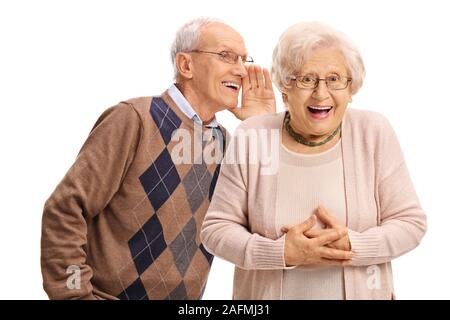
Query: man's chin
(227, 106)
(230, 107)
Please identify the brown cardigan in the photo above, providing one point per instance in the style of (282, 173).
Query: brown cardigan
(124, 216)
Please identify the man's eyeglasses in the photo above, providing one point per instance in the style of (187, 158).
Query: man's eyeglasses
(334, 82)
(228, 56)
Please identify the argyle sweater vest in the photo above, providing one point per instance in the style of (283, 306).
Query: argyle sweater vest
(124, 222)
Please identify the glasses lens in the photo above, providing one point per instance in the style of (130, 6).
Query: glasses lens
(333, 82)
(336, 83)
(248, 59)
(306, 82)
(229, 57)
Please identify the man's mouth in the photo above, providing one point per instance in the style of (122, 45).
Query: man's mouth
(231, 85)
(319, 112)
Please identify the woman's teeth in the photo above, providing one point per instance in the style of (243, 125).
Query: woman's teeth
(319, 112)
(320, 109)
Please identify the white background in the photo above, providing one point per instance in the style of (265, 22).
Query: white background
(63, 62)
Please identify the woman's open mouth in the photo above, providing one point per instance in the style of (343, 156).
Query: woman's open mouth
(319, 112)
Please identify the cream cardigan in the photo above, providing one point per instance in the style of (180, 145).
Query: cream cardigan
(384, 216)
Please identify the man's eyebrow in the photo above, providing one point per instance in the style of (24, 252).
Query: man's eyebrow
(226, 48)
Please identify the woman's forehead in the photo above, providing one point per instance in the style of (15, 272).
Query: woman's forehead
(325, 60)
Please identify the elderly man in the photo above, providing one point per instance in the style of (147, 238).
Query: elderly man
(124, 222)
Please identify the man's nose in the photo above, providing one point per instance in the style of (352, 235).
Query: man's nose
(240, 69)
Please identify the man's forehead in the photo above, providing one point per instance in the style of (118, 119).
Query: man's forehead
(222, 35)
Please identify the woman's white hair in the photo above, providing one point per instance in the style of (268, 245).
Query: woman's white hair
(298, 41)
(187, 38)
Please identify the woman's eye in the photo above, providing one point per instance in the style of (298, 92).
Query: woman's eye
(308, 79)
(333, 78)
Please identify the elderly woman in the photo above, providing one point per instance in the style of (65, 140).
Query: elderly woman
(340, 206)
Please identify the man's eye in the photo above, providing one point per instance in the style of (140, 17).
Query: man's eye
(225, 54)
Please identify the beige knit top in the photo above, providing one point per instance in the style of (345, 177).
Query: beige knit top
(305, 181)
(384, 216)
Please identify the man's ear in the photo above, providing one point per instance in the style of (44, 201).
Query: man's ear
(184, 64)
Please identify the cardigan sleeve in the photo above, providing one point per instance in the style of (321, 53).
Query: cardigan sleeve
(84, 192)
(402, 220)
(225, 230)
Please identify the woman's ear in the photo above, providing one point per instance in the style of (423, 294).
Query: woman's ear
(184, 65)
(284, 96)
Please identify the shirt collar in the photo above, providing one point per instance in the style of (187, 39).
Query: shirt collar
(186, 107)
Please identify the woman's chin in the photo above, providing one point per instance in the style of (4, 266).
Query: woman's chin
(320, 132)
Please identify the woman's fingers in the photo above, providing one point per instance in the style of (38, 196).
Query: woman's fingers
(326, 218)
(303, 227)
(315, 233)
(328, 236)
(307, 224)
(335, 254)
(286, 228)
(330, 262)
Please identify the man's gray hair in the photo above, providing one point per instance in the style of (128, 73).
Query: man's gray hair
(187, 38)
(297, 43)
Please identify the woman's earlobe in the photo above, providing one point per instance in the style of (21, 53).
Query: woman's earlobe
(284, 96)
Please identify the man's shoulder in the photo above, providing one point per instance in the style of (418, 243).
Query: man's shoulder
(131, 111)
(157, 104)
(140, 104)
(143, 105)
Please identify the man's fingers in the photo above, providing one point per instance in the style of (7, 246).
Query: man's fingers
(267, 79)
(252, 77)
(259, 77)
(330, 253)
(246, 84)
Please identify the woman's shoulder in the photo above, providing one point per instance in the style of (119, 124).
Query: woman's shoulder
(366, 120)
